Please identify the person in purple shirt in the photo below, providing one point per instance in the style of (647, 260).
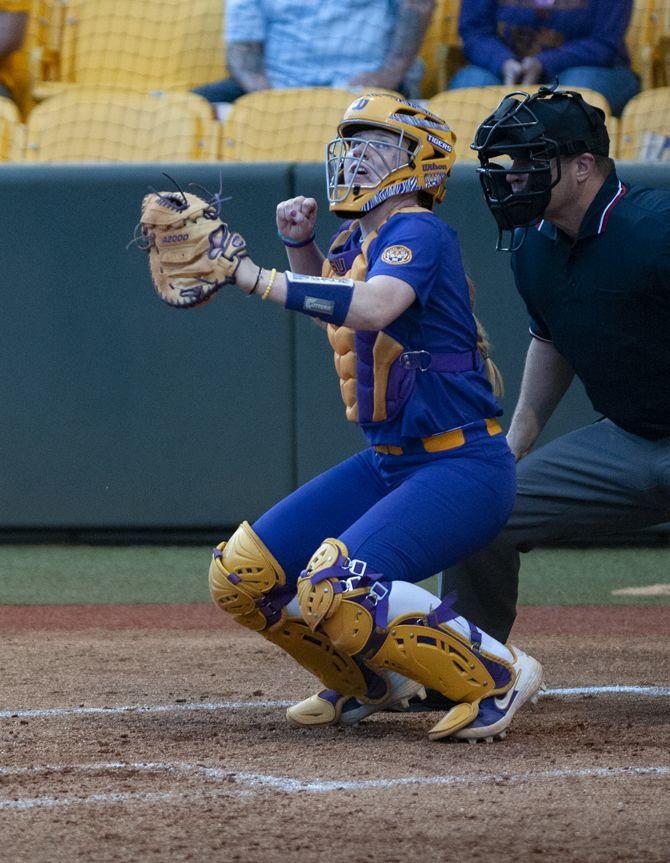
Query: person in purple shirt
(527, 42)
(330, 573)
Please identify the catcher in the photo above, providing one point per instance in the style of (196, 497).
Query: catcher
(329, 573)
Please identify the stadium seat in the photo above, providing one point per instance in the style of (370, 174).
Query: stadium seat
(11, 131)
(464, 110)
(662, 61)
(283, 125)
(44, 39)
(115, 125)
(153, 44)
(441, 47)
(640, 40)
(661, 49)
(647, 41)
(644, 128)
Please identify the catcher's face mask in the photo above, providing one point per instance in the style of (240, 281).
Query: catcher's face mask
(386, 146)
(533, 132)
(365, 160)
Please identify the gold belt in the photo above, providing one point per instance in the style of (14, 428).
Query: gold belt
(444, 441)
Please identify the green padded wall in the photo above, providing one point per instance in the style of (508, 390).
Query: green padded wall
(121, 413)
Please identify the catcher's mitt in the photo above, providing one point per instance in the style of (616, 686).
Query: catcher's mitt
(192, 253)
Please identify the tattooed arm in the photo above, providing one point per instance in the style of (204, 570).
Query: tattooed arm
(410, 28)
(245, 64)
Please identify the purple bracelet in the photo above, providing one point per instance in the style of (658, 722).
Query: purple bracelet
(293, 245)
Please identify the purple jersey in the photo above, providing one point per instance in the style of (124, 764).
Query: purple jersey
(423, 251)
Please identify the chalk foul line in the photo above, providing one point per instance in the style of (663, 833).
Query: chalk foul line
(176, 707)
(219, 781)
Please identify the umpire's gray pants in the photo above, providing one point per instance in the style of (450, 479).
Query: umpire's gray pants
(592, 482)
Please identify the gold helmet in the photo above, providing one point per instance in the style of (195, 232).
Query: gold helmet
(420, 159)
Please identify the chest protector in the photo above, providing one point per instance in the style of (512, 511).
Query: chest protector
(373, 384)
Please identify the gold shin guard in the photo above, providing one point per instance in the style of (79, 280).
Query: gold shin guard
(442, 659)
(317, 653)
(427, 648)
(246, 581)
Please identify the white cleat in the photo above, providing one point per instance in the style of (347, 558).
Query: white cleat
(497, 711)
(330, 708)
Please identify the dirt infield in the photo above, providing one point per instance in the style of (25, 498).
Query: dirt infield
(158, 734)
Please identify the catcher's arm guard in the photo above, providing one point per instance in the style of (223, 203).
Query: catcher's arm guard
(192, 253)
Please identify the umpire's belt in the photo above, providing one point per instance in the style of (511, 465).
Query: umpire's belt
(447, 440)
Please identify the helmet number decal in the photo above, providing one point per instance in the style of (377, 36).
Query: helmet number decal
(397, 255)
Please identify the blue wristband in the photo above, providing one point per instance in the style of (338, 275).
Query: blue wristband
(326, 299)
(293, 245)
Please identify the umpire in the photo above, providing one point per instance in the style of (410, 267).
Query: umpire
(591, 259)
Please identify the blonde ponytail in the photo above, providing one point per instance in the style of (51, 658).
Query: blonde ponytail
(484, 347)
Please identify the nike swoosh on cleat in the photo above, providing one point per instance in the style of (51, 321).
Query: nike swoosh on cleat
(503, 702)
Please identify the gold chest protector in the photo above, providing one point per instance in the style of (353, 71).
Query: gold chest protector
(342, 339)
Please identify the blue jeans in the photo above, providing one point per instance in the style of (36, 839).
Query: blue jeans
(228, 90)
(220, 91)
(617, 84)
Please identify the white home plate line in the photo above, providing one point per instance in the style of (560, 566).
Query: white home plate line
(226, 780)
(141, 708)
(649, 691)
(51, 712)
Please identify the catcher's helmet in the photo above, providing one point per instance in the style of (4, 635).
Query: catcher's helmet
(420, 161)
(535, 129)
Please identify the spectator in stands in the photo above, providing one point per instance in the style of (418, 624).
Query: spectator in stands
(322, 43)
(535, 41)
(14, 83)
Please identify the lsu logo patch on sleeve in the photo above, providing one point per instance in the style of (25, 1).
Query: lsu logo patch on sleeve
(397, 255)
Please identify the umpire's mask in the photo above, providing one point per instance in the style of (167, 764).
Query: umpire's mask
(532, 131)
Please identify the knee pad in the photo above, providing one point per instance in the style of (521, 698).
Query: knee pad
(336, 597)
(319, 585)
(246, 581)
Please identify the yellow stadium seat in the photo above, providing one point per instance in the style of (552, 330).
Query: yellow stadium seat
(644, 127)
(640, 38)
(152, 44)
(11, 131)
(464, 110)
(662, 61)
(115, 125)
(661, 49)
(441, 47)
(648, 41)
(44, 39)
(283, 125)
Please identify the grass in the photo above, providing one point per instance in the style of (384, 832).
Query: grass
(91, 575)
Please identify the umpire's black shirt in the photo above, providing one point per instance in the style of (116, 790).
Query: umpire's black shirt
(604, 302)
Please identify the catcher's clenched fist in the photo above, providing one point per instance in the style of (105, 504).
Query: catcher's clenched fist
(192, 253)
(296, 219)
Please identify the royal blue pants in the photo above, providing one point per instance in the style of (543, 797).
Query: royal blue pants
(407, 516)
